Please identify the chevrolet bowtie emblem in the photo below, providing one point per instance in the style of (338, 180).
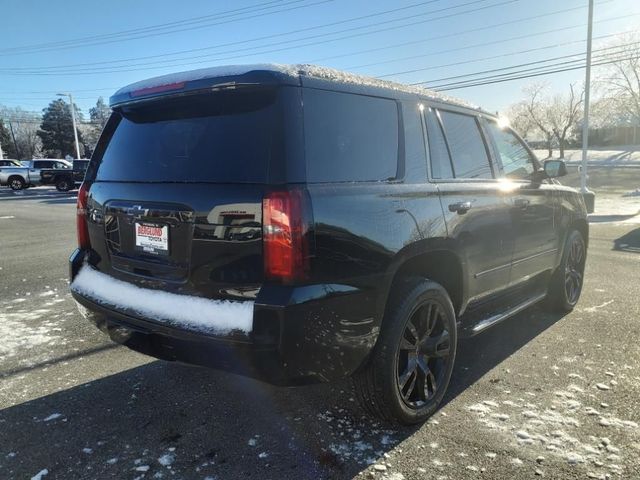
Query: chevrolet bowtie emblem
(137, 211)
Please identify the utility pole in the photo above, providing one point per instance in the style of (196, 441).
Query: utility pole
(73, 119)
(15, 144)
(589, 196)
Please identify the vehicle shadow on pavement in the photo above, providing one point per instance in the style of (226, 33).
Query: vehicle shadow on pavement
(171, 419)
(478, 355)
(629, 242)
(53, 197)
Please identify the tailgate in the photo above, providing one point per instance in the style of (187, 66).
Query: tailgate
(197, 239)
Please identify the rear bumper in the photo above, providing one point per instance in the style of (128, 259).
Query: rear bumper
(300, 335)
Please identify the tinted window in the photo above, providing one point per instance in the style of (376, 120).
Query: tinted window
(349, 137)
(42, 164)
(220, 137)
(516, 160)
(438, 153)
(467, 147)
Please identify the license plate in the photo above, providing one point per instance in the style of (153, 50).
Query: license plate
(152, 238)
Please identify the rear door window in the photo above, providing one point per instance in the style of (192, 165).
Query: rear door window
(466, 145)
(223, 137)
(349, 138)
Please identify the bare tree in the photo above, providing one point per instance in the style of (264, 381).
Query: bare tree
(520, 120)
(552, 118)
(23, 126)
(536, 107)
(619, 82)
(563, 113)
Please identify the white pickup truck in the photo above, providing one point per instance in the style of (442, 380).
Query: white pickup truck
(28, 175)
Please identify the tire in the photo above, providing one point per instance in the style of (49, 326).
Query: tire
(405, 380)
(566, 283)
(16, 183)
(63, 185)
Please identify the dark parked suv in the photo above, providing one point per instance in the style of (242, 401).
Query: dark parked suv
(298, 224)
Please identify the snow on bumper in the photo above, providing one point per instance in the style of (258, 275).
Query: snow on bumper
(218, 316)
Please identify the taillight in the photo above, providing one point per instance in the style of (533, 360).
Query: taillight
(81, 217)
(285, 236)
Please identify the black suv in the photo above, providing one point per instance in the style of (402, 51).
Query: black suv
(65, 180)
(299, 224)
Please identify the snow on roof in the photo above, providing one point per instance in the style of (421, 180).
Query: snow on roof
(354, 79)
(202, 73)
(295, 72)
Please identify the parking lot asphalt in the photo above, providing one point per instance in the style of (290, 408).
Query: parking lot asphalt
(539, 395)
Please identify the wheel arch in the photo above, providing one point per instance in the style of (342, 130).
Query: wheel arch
(440, 263)
(17, 175)
(582, 226)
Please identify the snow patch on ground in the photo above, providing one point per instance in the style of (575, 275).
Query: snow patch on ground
(356, 440)
(183, 310)
(599, 157)
(42, 473)
(25, 329)
(167, 459)
(563, 427)
(53, 416)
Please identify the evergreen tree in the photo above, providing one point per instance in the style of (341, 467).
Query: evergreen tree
(56, 130)
(100, 113)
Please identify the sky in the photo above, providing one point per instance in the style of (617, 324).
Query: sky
(80, 46)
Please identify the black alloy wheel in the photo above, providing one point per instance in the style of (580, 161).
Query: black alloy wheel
(566, 283)
(408, 372)
(423, 355)
(574, 269)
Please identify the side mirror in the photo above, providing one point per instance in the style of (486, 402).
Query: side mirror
(555, 168)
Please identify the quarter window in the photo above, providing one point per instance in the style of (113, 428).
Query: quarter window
(438, 153)
(468, 152)
(349, 138)
(517, 162)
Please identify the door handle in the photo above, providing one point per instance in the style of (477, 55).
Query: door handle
(460, 207)
(521, 203)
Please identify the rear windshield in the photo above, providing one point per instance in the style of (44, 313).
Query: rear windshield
(220, 137)
(349, 138)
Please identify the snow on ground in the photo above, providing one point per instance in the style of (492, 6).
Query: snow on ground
(615, 208)
(541, 427)
(351, 438)
(26, 327)
(624, 155)
(194, 312)
(40, 475)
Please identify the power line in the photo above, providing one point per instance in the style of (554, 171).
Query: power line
(536, 72)
(464, 62)
(129, 31)
(527, 64)
(466, 31)
(520, 77)
(43, 70)
(500, 41)
(47, 48)
(265, 37)
(57, 90)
